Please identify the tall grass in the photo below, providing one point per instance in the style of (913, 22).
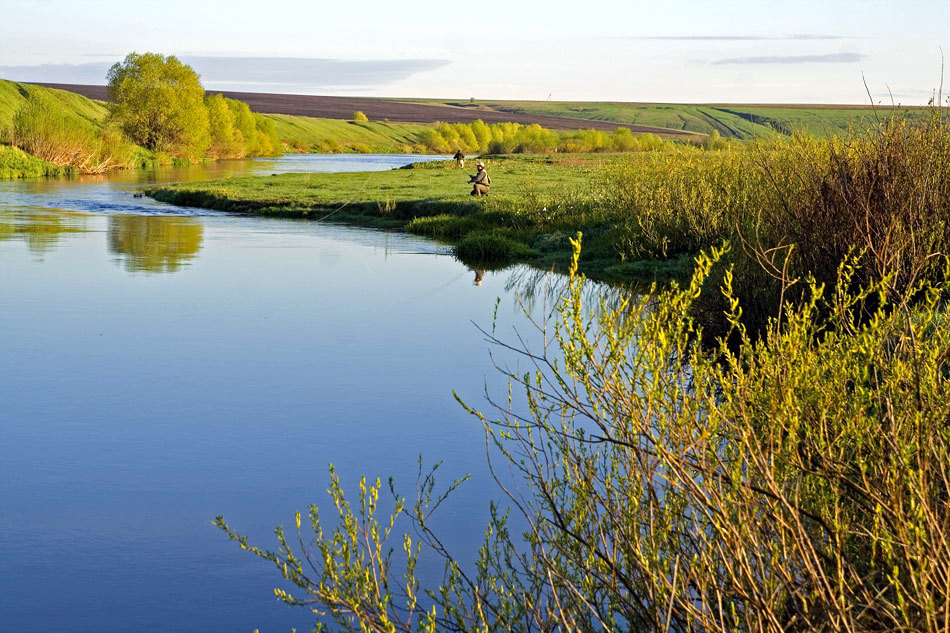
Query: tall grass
(796, 208)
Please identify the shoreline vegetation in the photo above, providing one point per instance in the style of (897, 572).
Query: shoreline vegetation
(763, 447)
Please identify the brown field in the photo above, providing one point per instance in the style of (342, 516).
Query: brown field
(393, 110)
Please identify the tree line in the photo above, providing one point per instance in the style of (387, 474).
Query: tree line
(514, 138)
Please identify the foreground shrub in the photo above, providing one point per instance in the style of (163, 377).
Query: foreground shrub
(793, 483)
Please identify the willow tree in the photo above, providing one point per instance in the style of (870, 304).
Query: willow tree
(159, 102)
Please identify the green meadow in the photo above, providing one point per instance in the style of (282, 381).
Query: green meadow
(428, 198)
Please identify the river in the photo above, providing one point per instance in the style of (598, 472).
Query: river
(161, 365)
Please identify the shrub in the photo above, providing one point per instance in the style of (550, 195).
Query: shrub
(358, 116)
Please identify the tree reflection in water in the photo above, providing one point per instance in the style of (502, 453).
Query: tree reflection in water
(40, 230)
(154, 243)
(531, 285)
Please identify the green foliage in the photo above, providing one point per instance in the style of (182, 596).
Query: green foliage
(358, 116)
(305, 134)
(72, 131)
(715, 142)
(159, 103)
(225, 140)
(798, 206)
(266, 142)
(673, 483)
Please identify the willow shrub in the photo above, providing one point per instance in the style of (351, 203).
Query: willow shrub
(795, 482)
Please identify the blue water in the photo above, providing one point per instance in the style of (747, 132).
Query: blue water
(159, 366)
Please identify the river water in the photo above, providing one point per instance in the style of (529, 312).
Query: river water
(161, 365)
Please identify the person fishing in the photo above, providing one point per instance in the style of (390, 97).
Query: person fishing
(481, 180)
(459, 158)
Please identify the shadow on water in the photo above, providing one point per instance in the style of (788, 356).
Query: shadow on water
(154, 244)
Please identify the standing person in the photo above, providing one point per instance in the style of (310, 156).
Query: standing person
(459, 158)
(481, 180)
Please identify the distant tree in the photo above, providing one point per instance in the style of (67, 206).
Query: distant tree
(159, 102)
(714, 141)
(359, 116)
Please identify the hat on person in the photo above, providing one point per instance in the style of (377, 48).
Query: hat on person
(479, 164)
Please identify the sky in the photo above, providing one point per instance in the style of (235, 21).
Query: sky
(675, 51)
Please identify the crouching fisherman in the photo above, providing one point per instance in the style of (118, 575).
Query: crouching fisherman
(481, 180)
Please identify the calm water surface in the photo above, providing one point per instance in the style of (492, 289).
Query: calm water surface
(160, 365)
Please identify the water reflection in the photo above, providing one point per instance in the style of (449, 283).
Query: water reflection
(533, 285)
(154, 243)
(40, 230)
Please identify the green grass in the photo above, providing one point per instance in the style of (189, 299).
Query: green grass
(731, 120)
(15, 163)
(14, 94)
